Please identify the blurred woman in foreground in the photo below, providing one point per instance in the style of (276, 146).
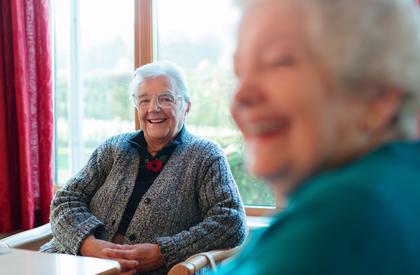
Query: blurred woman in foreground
(327, 97)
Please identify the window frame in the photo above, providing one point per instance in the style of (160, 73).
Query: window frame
(143, 38)
(144, 52)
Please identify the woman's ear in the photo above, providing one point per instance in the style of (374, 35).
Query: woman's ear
(187, 110)
(383, 107)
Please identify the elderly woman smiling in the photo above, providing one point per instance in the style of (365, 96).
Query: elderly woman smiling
(327, 96)
(152, 198)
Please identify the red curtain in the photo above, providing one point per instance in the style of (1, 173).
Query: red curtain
(26, 119)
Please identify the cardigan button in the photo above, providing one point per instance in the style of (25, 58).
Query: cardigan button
(147, 200)
(132, 237)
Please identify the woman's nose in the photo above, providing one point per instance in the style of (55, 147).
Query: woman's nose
(248, 92)
(154, 104)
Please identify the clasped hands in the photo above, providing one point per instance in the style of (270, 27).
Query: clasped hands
(132, 258)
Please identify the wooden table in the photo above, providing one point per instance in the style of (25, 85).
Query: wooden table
(19, 261)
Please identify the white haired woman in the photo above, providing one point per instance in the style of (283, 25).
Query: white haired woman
(327, 96)
(154, 197)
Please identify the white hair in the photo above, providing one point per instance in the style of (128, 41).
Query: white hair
(162, 68)
(368, 41)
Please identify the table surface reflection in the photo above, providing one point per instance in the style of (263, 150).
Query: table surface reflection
(19, 261)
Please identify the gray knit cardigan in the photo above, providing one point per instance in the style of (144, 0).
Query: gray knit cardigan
(192, 206)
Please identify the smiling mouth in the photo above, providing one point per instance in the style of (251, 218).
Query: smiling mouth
(156, 121)
(269, 128)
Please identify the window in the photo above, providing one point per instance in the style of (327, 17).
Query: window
(93, 66)
(95, 57)
(202, 43)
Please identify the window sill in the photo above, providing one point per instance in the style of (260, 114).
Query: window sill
(259, 222)
(257, 216)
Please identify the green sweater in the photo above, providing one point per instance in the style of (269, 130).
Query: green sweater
(363, 218)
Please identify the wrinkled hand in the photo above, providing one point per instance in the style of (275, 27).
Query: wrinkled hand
(148, 255)
(93, 247)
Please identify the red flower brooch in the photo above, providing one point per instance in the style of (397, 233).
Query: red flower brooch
(154, 165)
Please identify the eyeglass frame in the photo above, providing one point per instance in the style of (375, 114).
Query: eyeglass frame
(136, 100)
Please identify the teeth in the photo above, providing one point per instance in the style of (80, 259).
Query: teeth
(265, 127)
(156, 120)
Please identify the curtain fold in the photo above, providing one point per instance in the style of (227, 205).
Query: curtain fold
(26, 118)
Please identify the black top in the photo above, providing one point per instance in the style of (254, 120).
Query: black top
(149, 169)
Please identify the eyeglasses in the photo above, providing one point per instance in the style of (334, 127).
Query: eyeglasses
(165, 100)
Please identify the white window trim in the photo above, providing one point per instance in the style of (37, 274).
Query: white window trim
(76, 93)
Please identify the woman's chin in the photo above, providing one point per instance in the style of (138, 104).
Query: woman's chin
(268, 173)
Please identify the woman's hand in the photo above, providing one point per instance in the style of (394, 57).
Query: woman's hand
(93, 247)
(148, 255)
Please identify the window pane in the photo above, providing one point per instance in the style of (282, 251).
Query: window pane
(94, 63)
(200, 39)
(61, 27)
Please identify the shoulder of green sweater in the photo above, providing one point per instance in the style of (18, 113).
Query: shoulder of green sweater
(390, 162)
(358, 191)
(337, 209)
